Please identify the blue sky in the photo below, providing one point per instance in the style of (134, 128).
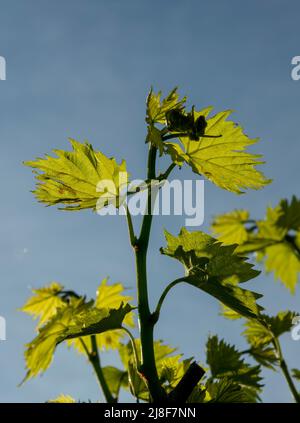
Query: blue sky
(82, 70)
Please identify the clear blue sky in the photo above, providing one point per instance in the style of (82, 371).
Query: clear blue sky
(82, 70)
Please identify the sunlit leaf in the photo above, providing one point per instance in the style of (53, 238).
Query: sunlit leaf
(115, 379)
(157, 108)
(44, 303)
(223, 160)
(108, 296)
(65, 399)
(216, 269)
(230, 227)
(79, 179)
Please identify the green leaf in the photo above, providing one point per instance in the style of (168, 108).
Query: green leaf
(115, 378)
(216, 269)
(76, 320)
(44, 303)
(157, 108)
(65, 399)
(296, 374)
(290, 214)
(273, 238)
(263, 332)
(226, 391)
(284, 261)
(168, 365)
(226, 362)
(39, 352)
(264, 355)
(222, 160)
(108, 297)
(80, 179)
(93, 321)
(230, 227)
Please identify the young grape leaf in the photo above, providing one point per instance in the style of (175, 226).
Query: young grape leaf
(169, 367)
(226, 362)
(230, 227)
(290, 214)
(39, 352)
(44, 303)
(222, 160)
(226, 391)
(273, 239)
(296, 374)
(80, 179)
(65, 399)
(157, 108)
(75, 320)
(115, 379)
(108, 297)
(216, 269)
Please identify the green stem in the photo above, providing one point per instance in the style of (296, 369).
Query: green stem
(163, 296)
(148, 365)
(94, 359)
(285, 371)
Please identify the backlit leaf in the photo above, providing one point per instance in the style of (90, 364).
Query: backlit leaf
(216, 269)
(223, 160)
(80, 179)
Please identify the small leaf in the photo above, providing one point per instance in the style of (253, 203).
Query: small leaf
(296, 374)
(44, 303)
(157, 108)
(65, 399)
(115, 379)
(230, 227)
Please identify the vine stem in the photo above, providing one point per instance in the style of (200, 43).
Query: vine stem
(94, 359)
(148, 366)
(285, 370)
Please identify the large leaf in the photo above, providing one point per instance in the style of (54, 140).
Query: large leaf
(216, 269)
(80, 179)
(44, 303)
(221, 160)
(76, 320)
